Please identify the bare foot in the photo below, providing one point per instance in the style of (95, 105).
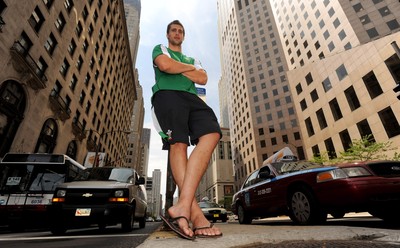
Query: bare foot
(176, 211)
(202, 226)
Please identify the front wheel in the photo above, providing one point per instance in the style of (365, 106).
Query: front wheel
(127, 224)
(303, 208)
(244, 218)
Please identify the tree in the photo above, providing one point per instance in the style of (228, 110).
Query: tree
(361, 150)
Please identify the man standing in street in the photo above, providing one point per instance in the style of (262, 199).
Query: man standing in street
(183, 119)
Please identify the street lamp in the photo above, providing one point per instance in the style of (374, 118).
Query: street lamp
(96, 160)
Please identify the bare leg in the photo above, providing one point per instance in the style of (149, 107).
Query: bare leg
(187, 175)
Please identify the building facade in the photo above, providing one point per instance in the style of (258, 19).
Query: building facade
(66, 78)
(299, 73)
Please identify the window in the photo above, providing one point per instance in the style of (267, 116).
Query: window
(50, 44)
(299, 89)
(79, 63)
(47, 138)
(303, 104)
(60, 22)
(42, 66)
(48, 3)
(309, 126)
(64, 67)
(335, 108)
(82, 97)
(78, 29)
(342, 35)
(321, 119)
(345, 138)
(85, 45)
(393, 24)
(365, 130)
(309, 78)
(352, 98)
(330, 148)
(341, 72)
(336, 23)
(384, 11)
(372, 33)
(358, 7)
(37, 19)
(365, 19)
(389, 122)
(72, 47)
(393, 64)
(315, 151)
(326, 84)
(314, 95)
(85, 13)
(372, 85)
(74, 81)
(68, 4)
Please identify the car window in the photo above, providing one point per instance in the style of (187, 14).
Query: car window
(205, 204)
(121, 175)
(251, 179)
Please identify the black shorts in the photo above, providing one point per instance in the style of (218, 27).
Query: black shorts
(183, 117)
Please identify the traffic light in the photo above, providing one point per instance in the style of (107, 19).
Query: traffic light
(397, 89)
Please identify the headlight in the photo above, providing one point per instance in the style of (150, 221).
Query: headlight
(59, 196)
(356, 172)
(119, 193)
(61, 193)
(331, 175)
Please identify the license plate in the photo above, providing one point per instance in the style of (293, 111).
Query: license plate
(82, 212)
(216, 215)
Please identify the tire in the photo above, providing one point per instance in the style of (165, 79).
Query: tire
(142, 221)
(243, 217)
(127, 224)
(303, 208)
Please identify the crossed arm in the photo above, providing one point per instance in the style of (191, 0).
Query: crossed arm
(171, 66)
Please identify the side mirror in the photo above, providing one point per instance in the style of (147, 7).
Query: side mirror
(265, 174)
(140, 181)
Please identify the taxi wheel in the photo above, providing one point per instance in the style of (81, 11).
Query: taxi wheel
(243, 217)
(303, 208)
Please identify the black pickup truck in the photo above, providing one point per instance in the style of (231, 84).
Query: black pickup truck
(103, 196)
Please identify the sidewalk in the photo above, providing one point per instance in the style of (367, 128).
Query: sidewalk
(282, 234)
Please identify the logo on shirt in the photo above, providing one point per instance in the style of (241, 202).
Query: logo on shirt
(169, 133)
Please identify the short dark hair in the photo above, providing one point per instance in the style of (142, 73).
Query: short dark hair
(177, 22)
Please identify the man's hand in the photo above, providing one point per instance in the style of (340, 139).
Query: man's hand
(197, 76)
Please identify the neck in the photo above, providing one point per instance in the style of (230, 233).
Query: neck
(175, 48)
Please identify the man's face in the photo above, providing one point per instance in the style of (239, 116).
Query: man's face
(175, 35)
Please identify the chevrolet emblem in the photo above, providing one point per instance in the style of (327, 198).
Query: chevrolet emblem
(87, 195)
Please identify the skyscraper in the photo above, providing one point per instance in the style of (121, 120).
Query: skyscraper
(298, 74)
(66, 78)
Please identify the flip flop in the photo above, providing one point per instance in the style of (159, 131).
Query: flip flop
(175, 227)
(205, 236)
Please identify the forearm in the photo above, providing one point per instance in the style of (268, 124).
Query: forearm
(171, 66)
(197, 76)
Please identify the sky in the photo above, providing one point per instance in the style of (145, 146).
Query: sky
(199, 18)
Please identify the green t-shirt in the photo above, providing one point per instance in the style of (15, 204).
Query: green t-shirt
(166, 81)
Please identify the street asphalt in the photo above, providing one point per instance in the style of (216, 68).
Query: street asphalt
(283, 235)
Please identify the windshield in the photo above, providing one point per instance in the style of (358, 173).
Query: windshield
(30, 177)
(287, 167)
(208, 205)
(106, 174)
